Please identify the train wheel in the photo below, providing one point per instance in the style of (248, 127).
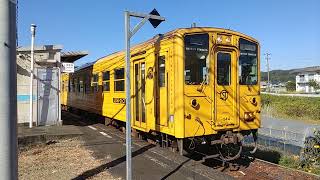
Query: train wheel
(230, 151)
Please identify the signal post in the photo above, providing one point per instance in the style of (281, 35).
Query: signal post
(155, 19)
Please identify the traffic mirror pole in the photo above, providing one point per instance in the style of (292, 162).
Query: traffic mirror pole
(155, 19)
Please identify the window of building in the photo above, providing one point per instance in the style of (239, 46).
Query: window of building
(311, 77)
(301, 78)
(224, 68)
(106, 80)
(95, 82)
(119, 79)
(196, 59)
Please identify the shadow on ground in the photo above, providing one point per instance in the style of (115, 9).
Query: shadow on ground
(99, 169)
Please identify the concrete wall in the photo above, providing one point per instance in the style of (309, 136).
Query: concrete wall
(45, 56)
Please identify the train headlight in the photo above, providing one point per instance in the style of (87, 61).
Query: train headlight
(228, 39)
(249, 116)
(219, 39)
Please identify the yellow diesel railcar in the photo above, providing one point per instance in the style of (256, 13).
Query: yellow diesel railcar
(190, 83)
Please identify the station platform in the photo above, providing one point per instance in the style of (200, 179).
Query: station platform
(108, 144)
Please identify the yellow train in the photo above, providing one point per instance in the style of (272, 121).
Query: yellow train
(197, 83)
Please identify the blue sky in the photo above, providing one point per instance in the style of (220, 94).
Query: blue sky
(289, 30)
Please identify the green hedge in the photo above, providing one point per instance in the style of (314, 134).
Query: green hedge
(307, 108)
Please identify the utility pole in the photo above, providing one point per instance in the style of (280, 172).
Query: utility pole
(268, 69)
(155, 19)
(8, 90)
(33, 34)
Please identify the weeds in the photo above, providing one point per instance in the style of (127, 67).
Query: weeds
(295, 163)
(302, 108)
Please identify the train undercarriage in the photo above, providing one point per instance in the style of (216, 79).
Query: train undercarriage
(226, 145)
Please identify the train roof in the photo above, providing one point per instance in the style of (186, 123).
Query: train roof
(175, 32)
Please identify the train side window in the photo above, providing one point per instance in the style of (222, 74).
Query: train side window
(81, 86)
(162, 71)
(74, 85)
(106, 80)
(88, 85)
(76, 82)
(94, 83)
(223, 68)
(119, 79)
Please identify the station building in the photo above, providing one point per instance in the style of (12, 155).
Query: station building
(46, 83)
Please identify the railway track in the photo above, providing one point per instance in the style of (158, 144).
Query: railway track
(246, 167)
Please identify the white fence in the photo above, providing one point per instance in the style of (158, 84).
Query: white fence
(284, 140)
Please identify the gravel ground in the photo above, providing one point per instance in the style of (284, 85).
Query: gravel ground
(66, 159)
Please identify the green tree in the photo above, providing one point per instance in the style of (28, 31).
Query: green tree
(291, 86)
(314, 84)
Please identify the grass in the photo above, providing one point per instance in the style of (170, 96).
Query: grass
(300, 108)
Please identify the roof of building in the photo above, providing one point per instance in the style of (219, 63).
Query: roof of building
(307, 69)
(40, 48)
(72, 56)
(69, 56)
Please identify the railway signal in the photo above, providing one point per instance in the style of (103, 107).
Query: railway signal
(155, 19)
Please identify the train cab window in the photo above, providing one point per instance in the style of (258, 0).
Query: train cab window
(119, 79)
(196, 59)
(248, 69)
(223, 68)
(162, 71)
(95, 83)
(106, 81)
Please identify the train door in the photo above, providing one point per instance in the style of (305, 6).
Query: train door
(162, 89)
(139, 99)
(225, 90)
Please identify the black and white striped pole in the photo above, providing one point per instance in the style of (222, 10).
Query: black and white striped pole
(155, 19)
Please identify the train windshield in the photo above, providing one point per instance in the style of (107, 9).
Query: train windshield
(248, 69)
(196, 59)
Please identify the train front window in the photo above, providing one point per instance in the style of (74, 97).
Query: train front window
(248, 68)
(196, 59)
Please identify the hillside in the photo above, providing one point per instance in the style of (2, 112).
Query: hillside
(277, 76)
